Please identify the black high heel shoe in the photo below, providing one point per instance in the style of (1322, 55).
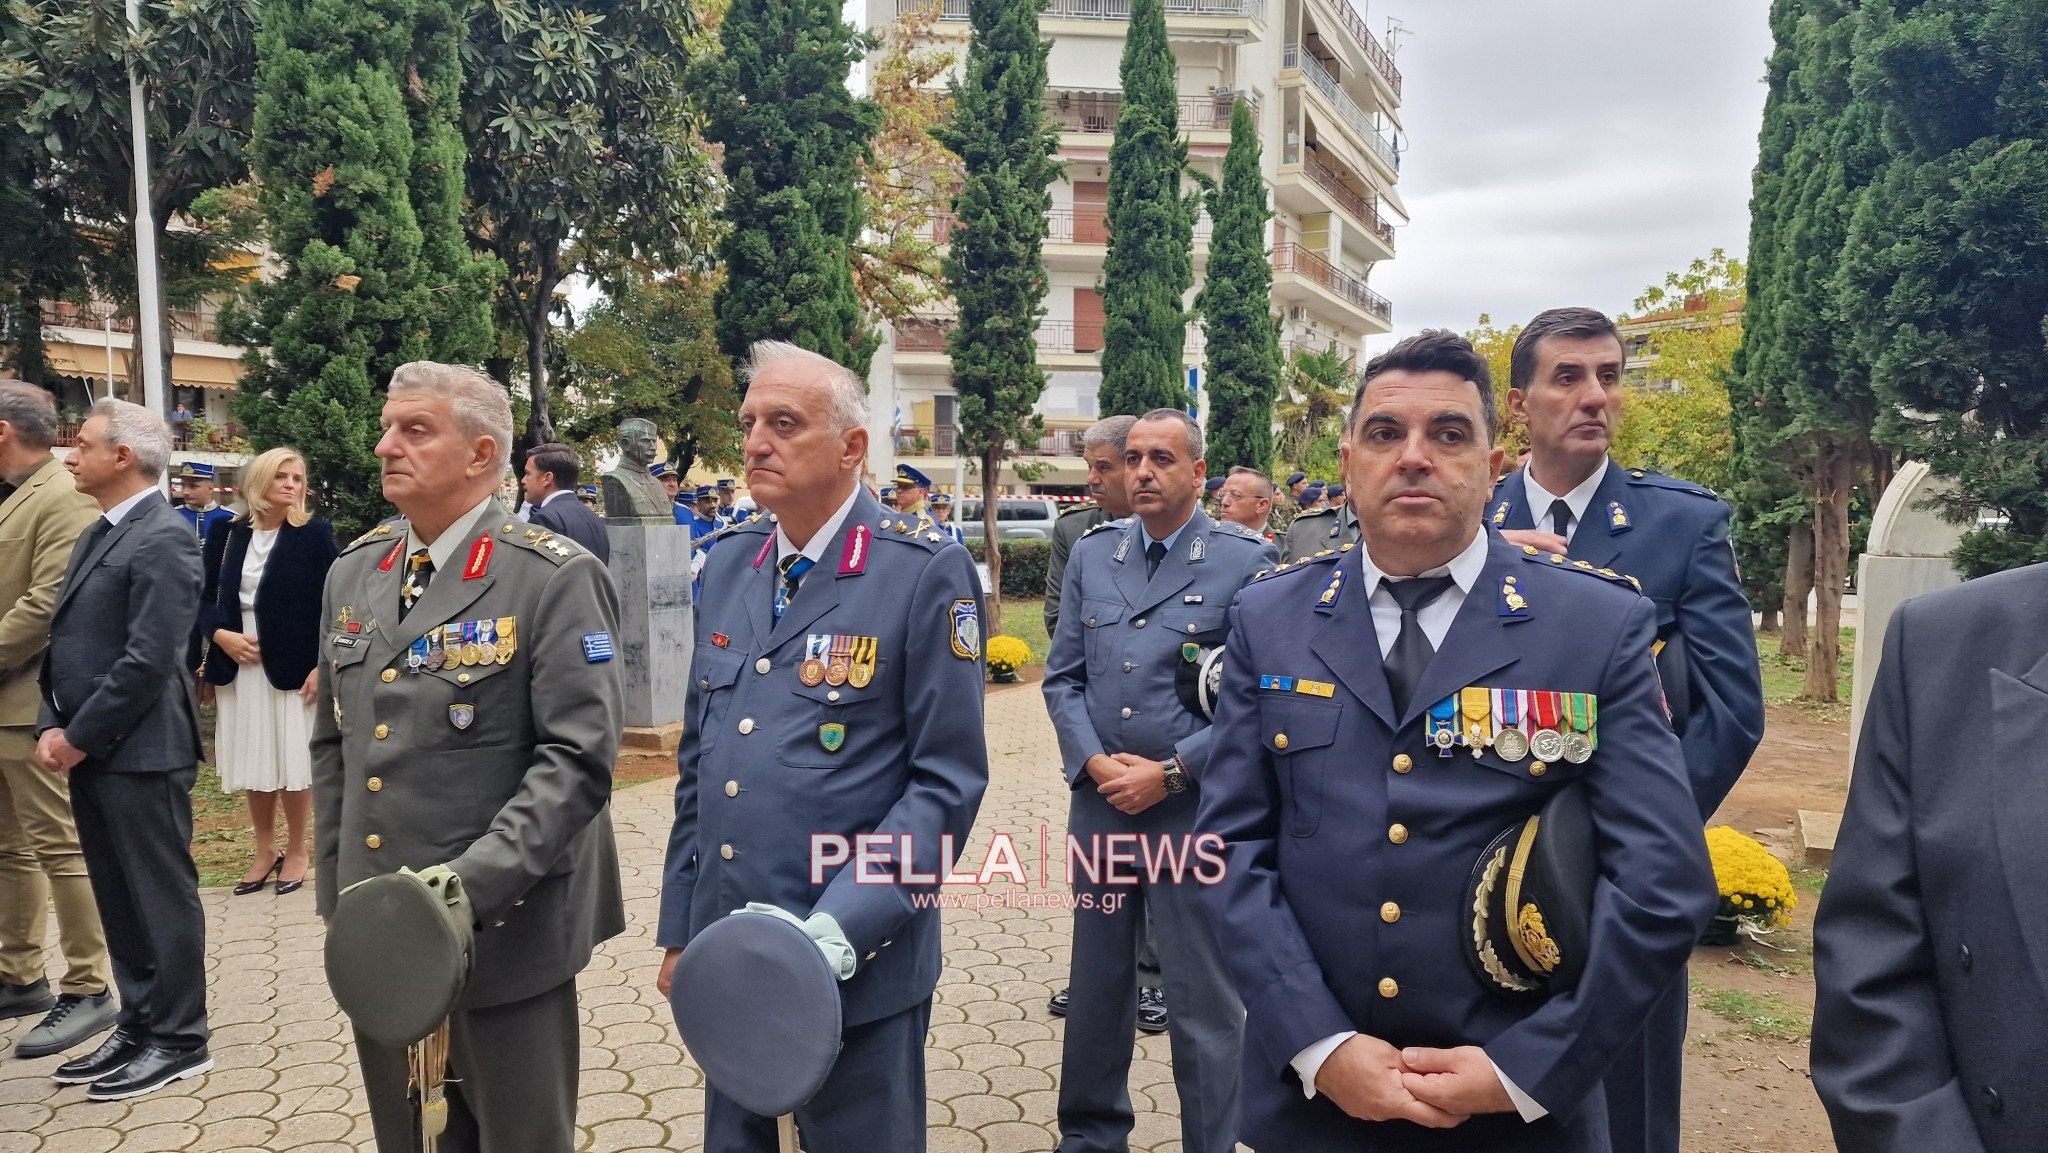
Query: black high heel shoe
(244, 888)
(285, 887)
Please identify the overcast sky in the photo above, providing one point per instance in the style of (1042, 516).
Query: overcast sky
(1567, 151)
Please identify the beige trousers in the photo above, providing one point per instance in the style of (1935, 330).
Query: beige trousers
(39, 860)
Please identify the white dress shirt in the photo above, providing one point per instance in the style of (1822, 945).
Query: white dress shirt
(119, 512)
(442, 548)
(1435, 619)
(820, 540)
(1575, 500)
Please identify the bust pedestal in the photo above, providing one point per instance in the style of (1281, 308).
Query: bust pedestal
(650, 565)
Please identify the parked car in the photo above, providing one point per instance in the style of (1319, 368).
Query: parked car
(1017, 517)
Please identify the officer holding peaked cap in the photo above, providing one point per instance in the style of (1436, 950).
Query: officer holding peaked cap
(468, 721)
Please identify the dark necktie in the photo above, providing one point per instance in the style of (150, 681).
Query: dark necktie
(1409, 658)
(793, 569)
(1154, 553)
(419, 573)
(1561, 518)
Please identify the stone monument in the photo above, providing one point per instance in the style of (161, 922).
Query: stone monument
(631, 495)
(1907, 556)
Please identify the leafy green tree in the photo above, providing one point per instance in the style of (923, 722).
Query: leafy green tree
(360, 157)
(1942, 281)
(648, 350)
(581, 157)
(1679, 424)
(44, 256)
(1236, 307)
(794, 136)
(1315, 396)
(993, 267)
(910, 179)
(1150, 265)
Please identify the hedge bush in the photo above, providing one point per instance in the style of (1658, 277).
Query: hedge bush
(1024, 564)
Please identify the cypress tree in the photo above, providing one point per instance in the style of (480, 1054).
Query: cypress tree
(356, 105)
(993, 268)
(1150, 265)
(794, 137)
(1244, 343)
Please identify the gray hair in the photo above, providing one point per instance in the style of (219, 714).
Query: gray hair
(479, 404)
(1261, 483)
(1196, 448)
(848, 393)
(31, 411)
(1109, 432)
(145, 433)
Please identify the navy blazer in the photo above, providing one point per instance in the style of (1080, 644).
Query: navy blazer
(1672, 536)
(570, 518)
(287, 598)
(1307, 792)
(767, 761)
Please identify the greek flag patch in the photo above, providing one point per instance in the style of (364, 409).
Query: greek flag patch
(597, 647)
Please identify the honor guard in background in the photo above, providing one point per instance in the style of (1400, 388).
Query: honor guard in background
(836, 691)
(683, 504)
(1930, 960)
(468, 722)
(1329, 527)
(729, 512)
(704, 515)
(1144, 597)
(942, 517)
(1392, 716)
(1671, 536)
(913, 488)
(197, 483)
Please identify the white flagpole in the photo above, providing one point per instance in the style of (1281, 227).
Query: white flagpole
(149, 312)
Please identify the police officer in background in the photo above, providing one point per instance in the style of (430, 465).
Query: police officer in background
(197, 483)
(1351, 836)
(468, 721)
(942, 517)
(1247, 499)
(672, 481)
(729, 512)
(1671, 535)
(836, 691)
(1330, 526)
(1143, 597)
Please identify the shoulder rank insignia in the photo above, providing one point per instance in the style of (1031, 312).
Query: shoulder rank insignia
(1336, 585)
(1500, 514)
(1617, 518)
(1513, 605)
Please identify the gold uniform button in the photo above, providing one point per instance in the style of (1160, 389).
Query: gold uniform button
(374, 784)
(1398, 834)
(732, 788)
(374, 841)
(746, 725)
(383, 731)
(1279, 740)
(1538, 769)
(390, 675)
(462, 678)
(725, 851)
(1390, 912)
(763, 665)
(1403, 762)
(1389, 987)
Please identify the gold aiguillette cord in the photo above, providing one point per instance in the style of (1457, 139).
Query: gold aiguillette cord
(429, 1066)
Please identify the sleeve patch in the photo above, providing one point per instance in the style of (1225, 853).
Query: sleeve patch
(597, 647)
(966, 630)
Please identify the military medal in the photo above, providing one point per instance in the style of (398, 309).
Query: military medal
(863, 671)
(508, 642)
(1443, 725)
(812, 671)
(1476, 707)
(1578, 746)
(416, 657)
(468, 652)
(487, 641)
(1510, 743)
(840, 666)
(1546, 743)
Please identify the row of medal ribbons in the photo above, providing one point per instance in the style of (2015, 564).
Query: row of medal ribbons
(1516, 724)
(488, 641)
(836, 660)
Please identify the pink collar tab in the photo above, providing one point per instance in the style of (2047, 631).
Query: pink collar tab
(854, 561)
(761, 557)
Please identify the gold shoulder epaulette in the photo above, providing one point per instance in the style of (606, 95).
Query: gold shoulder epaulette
(380, 533)
(540, 540)
(1557, 560)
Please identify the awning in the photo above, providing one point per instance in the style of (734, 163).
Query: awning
(187, 370)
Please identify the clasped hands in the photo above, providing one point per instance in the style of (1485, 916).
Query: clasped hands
(1434, 1088)
(1131, 783)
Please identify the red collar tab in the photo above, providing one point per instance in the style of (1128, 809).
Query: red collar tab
(854, 561)
(479, 558)
(390, 558)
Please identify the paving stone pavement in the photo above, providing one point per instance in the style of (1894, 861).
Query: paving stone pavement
(284, 1072)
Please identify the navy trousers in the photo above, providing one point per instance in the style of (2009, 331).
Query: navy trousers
(873, 1102)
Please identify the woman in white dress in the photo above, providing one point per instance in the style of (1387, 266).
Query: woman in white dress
(260, 617)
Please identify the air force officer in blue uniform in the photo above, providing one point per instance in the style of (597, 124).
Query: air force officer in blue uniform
(1142, 598)
(836, 690)
(1671, 535)
(1350, 838)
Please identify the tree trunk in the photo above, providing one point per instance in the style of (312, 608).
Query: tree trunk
(1767, 620)
(991, 467)
(540, 424)
(1830, 570)
(1798, 583)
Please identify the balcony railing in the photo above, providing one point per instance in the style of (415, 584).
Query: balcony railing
(1382, 60)
(1104, 9)
(1313, 266)
(938, 441)
(1358, 206)
(1088, 111)
(1347, 108)
(195, 323)
(1307, 344)
(930, 333)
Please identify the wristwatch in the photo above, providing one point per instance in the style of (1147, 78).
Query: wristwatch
(1176, 775)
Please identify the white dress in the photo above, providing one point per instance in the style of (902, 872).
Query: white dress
(262, 741)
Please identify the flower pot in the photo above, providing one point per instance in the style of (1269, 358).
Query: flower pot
(1003, 677)
(1722, 931)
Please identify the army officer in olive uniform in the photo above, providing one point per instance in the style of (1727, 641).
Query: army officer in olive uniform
(836, 691)
(469, 717)
(1143, 598)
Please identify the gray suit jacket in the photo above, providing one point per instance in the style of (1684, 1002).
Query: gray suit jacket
(501, 770)
(114, 677)
(1931, 945)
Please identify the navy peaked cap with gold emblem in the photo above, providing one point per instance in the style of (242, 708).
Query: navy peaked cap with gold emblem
(907, 476)
(1529, 901)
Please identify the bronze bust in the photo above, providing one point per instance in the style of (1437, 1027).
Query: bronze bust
(631, 496)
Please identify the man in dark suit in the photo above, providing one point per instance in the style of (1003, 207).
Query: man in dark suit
(836, 691)
(1931, 944)
(119, 716)
(1672, 536)
(1350, 835)
(549, 485)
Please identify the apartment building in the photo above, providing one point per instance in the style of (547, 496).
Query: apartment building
(1326, 95)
